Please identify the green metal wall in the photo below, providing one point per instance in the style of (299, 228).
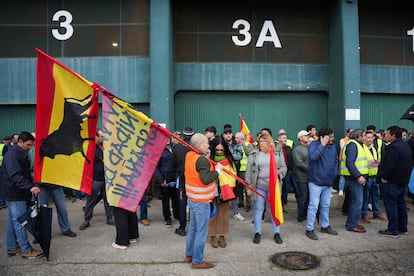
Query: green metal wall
(291, 111)
(384, 110)
(18, 118)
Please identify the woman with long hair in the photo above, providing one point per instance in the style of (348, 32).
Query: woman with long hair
(219, 224)
(257, 175)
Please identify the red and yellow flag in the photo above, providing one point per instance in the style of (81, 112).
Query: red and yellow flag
(133, 145)
(245, 130)
(275, 201)
(66, 119)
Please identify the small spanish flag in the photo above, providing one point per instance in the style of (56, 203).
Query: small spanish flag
(66, 119)
(245, 130)
(275, 201)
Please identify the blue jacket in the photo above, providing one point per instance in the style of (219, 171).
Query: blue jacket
(15, 175)
(323, 164)
(396, 163)
(165, 169)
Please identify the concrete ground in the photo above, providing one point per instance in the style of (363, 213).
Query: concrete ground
(160, 251)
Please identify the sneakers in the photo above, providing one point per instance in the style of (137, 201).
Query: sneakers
(117, 246)
(341, 193)
(388, 233)
(14, 252)
(33, 254)
(248, 208)
(239, 217)
(334, 191)
(110, 222)
(256, 238)
(277, 238)
(133, 240)
(167, 223)
(329, 230)
(145, 222)
(84, 225)
(180, 232)
(311, 235)
(369, 207)
(69, 233)
(403, 232)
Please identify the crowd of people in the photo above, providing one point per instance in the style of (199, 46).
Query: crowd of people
(367, 165)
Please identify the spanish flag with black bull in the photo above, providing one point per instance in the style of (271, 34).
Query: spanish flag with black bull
(66, 120)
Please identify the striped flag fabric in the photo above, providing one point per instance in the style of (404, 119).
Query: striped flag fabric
(275, 201)
(133, 144)
(66, 120)
(245, 130)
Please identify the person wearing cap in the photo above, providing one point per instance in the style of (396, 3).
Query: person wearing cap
(300, 156)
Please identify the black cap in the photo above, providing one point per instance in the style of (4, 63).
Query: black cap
(188, 131)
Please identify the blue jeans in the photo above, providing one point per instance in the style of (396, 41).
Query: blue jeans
(14, 230)
(394, 201)
(356, 195)
(259, 205)
(2, 202)
(318, 196)
(197, 230)
(143, 207)
(341, 183)
(58, 197)
(302, 198)
(371, 191)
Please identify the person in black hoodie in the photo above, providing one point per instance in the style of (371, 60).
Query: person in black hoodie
(393, 174)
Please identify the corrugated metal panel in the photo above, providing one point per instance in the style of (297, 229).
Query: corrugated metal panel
(384, 110)
(287, 110)
(16, 118)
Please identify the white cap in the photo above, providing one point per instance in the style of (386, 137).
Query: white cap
(302, 133)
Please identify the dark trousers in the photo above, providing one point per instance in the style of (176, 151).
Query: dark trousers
(98, 193)
(183, 209)
(288, 183)
(167, 194)
(126, 224)
(394, 202)
(302, 198)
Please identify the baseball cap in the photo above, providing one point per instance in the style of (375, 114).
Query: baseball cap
(302, 133)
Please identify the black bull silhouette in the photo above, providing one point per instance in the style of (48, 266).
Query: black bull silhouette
(67, 138)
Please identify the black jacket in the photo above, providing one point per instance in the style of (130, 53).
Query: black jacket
(396, 164)
(16, 179)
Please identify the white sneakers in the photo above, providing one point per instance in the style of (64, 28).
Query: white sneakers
(341, 193)
(239, 217)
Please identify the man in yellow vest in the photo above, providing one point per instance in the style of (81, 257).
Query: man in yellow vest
(354, 167)
(371, 189)
(247, 148)
(200, 186)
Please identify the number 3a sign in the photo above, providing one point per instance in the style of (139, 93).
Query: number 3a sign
(65, 30)
(267, 33)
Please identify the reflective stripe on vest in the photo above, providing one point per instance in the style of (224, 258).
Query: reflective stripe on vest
(243, 161)
(361, 162)
(1, 154)
(379, 152)
(371, 156)
(195, 189)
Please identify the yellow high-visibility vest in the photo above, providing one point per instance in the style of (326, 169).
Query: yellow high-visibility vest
(372, 171)
(361, 162)
(243, 161)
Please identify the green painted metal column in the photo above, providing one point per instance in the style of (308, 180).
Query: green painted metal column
(345, 94)
(161, 63)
